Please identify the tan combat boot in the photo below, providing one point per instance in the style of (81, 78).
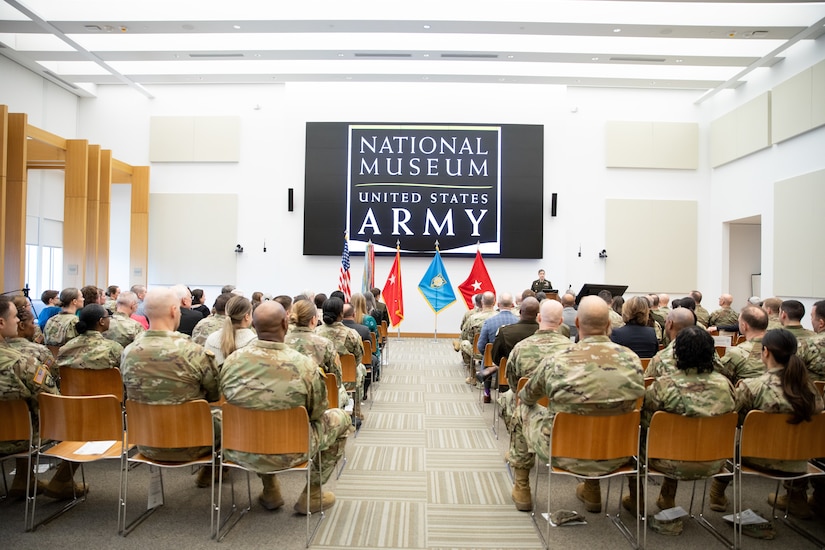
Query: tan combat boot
(629, 500)
(317, 501)
(795, 501)
(18, 485)
(62, 485)
(718, 500)
(270, 498)
(590, 493)
(521, 490)
(667, 495)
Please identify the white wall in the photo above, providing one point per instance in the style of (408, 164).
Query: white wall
(272, 159)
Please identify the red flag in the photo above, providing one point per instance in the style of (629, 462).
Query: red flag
(393, 292)
(478, 281)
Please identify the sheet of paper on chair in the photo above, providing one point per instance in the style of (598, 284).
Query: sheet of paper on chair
(95, 447)
(671, 513)
(748, 517)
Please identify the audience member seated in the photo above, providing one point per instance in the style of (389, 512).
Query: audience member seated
(636, 334)
(90, 350)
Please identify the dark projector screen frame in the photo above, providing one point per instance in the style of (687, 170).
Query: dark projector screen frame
(465, 185)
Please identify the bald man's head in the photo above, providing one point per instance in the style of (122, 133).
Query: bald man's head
(593, 318)
(349, 311)
(488, 299)
(505, 300)
(162, 308)
(270, 321)
(678, 319)
(529, 309)
(550, 315)
(568, 300)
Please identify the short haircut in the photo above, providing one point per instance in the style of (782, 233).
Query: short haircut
(606, 295)
(5, 306)
(488, 299)
(528, 293)
(654, 299)
(220, 302)
(48, 295)
(90, 294)
(773, 303)
(696, 295)
(320, 298)
(112, 290)
(794, 309)
(227, 289)
(127, 298)
(755, 316)
(284, 300)
(819, 309)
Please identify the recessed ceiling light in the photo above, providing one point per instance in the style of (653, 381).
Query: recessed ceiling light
(617, 30)
(425, 78)
(426, 55)
(510, 56)
(679, 60)
(652, 82)
(340, 55)
(257, 55)
(236, 26)
(501, 79)
(349, 78)
(426, 26)
(594, 58)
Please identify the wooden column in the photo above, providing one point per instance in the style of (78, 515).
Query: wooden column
(139, 229)
(4, 145)
(14, 210)
(92, 216)
(103, 223)
(74, 212)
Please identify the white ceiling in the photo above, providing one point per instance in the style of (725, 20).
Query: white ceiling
(706, 46)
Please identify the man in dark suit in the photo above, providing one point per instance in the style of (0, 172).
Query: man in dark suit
(380, 307)
(188, 317)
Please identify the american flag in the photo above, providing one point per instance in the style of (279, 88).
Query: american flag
(343, 276)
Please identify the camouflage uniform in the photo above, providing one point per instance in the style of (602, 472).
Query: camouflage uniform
(90, 351)
(18, 375)
(702, 316)
(123, 329)
(207, 326)
(724, 316)
(322, 351)
(594, 377)
(800, 332)
(616, 320)
(347, 340)
(166, 368)
(774, 322)
(664, 363)
(60, 329)
(471, 328)
(765, 393)
(41, 354)
(688, 393)
(272, 376)
(523, 362)
(743, 361)
(812, 353)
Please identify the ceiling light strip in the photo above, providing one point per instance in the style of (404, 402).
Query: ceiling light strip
(89, 55)
(730, 83)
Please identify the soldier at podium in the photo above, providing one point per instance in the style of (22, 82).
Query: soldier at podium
(541, 284)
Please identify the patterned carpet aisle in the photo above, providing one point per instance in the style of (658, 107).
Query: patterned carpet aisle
(425, 471)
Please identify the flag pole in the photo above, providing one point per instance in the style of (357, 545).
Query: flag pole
(398, 327)
(435, 323)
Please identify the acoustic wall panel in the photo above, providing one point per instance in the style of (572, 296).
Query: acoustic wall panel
(194, 139)
(818, 94)
(791, 107)
(798, 264)
(633, 241)
(669, 145)
(743, 131)
(192, 239)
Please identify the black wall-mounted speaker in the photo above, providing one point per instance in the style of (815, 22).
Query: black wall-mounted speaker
(554, 199)
(290, 199)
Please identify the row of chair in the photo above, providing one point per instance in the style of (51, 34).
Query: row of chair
(92, 428)
(680, 438)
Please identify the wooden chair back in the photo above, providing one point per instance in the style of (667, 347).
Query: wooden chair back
(720, 350)
(382, 332)
(78, 382)
(54, 349)
(608, 437)
(645, 362)
(676, 437)
(331, 382)
(769, 436)
(86, 418)
(366, 360)
(16, 424)
(488, 355)
(373, 341)
(348, 374)
(649, 380)
(544, 401)
(186, 424)
(475, 343)
(502, 372)
(820, 386)
(278, 432)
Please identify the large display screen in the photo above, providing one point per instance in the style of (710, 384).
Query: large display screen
(467, 186)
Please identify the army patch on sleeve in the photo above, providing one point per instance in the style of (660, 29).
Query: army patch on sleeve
(40, 375)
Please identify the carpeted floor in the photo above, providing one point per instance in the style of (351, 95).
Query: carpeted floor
(424, 472)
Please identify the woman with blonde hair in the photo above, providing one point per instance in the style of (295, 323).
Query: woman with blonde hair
(303, 338)
(235, 333)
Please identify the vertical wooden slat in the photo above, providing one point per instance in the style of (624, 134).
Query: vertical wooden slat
(4, 145)
(104, 226)
(139, 229)
(14, 209)
(74, 212)
(92, 216)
